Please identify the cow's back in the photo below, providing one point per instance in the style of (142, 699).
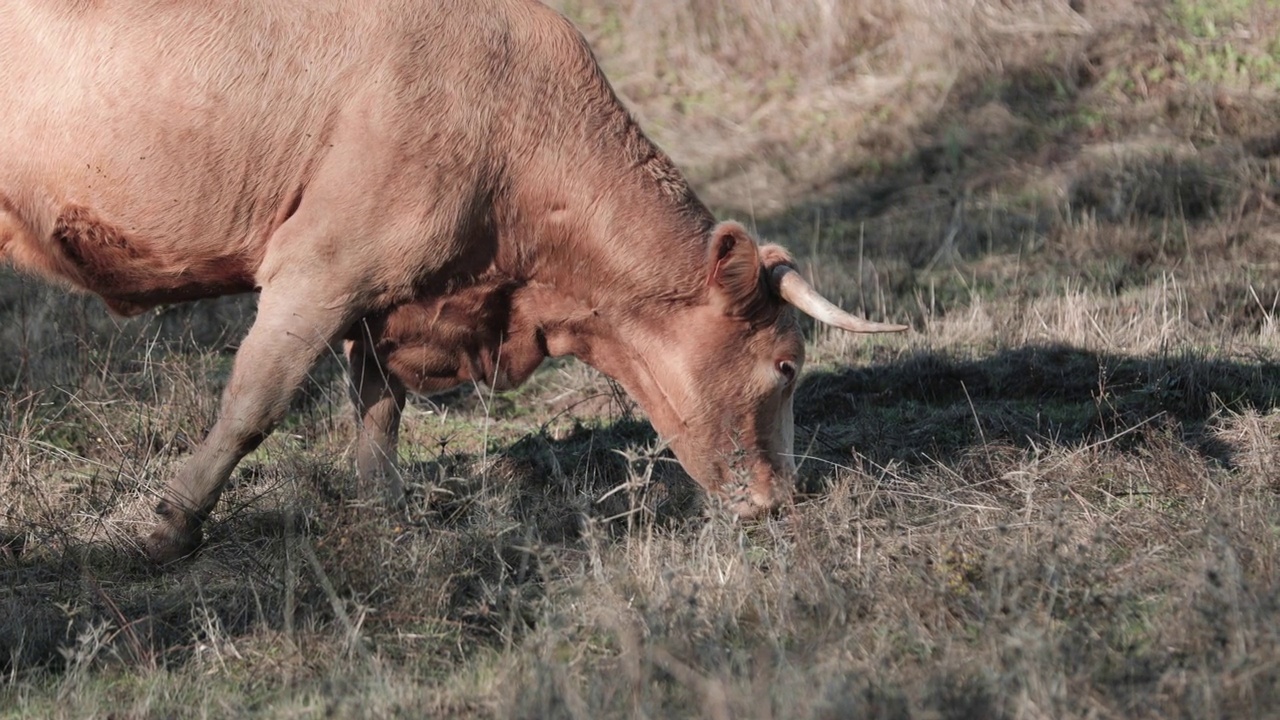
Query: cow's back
(131, 108)
(188, 128)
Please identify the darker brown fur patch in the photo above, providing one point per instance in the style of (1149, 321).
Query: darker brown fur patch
(476, 333)
(105, 260)
(89, 242)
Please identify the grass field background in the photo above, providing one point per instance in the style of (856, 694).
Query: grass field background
(1056, 497)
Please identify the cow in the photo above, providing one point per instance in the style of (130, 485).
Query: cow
(450, 189)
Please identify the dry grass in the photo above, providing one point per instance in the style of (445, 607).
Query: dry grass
(1056, 498)
(767, 101)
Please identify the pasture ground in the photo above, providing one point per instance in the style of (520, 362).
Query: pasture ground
(1056, 497)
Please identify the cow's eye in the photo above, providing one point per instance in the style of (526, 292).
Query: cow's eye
(787, 369)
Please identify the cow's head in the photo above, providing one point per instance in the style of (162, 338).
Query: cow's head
(722, 374)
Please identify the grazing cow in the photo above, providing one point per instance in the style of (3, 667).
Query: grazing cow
(451, 187)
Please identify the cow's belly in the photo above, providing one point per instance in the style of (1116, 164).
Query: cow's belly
(130, 273)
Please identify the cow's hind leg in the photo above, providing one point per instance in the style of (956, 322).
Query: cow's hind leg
(378, 397)
(298, 318)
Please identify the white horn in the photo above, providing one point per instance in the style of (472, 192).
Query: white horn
(795, 290)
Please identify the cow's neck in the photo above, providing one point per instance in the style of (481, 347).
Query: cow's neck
(619, 252)
(605, 214)
(597, 225)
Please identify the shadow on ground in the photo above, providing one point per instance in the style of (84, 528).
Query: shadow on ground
(933, 407)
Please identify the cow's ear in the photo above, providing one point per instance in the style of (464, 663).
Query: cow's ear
(735, 266)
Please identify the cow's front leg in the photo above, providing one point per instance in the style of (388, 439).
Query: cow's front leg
(378, 398)
(296, 322)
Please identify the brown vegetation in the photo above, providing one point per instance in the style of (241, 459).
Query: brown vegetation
(1057, 497)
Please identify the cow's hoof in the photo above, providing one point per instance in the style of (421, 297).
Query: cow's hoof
(168, 542)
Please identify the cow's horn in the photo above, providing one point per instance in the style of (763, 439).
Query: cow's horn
(794, 289)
